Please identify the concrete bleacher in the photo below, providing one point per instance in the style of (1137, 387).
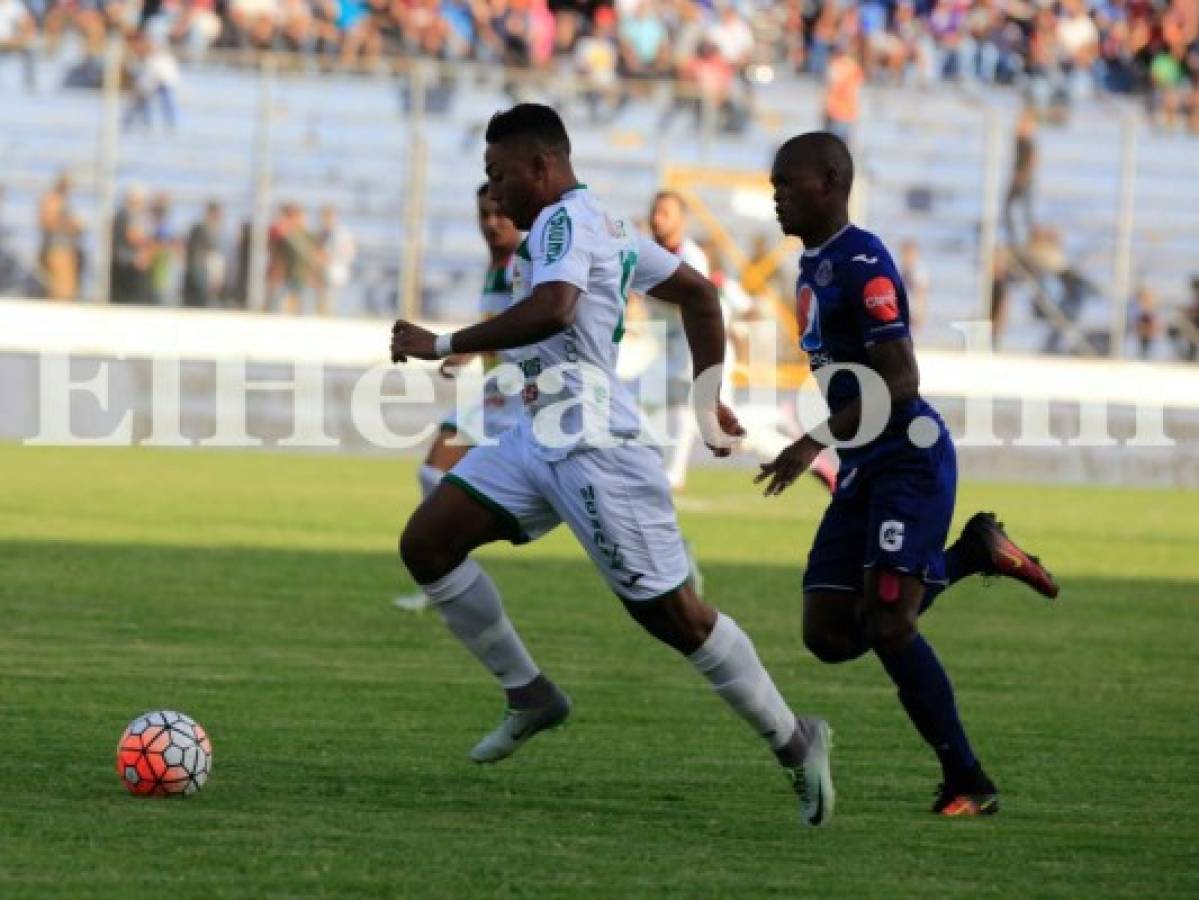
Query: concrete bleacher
(345, 139)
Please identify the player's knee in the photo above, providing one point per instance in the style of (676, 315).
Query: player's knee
(425, 556)
(412, 546)
(890, 633)
(680, 619)
(695, 627)
(829, 648)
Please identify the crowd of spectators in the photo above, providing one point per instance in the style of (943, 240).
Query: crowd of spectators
(1056, 49)
(203, 264)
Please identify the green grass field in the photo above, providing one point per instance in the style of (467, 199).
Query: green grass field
(252, 591)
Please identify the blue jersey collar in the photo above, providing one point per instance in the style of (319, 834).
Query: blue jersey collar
(816, 251)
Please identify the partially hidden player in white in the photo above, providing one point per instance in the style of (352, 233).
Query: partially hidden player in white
(668, 227)
(668, 224)
(498, 411)
(573, 273)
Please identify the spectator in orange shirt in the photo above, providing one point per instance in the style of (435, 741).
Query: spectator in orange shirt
(843, 84)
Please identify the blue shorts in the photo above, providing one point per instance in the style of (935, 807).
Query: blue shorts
(890, 511)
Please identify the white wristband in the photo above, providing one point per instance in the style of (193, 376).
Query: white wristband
(444, 345)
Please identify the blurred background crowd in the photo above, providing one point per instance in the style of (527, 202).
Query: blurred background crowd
(155, 261)
(715, 58)
(1059, 49)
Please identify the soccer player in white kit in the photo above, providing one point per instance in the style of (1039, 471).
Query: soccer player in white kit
(576, 457)
(668, 227)
(497, 411)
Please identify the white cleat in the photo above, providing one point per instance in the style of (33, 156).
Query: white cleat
(812, 779)
(411, 602)
(517, 726)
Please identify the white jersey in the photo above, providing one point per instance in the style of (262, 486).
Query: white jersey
(570, 378)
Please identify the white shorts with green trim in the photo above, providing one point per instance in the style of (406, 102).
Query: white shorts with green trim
(616, 501)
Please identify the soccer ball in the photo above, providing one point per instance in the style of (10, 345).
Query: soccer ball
(164, 753)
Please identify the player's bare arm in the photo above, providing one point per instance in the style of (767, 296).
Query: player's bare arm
(895, 363)
(451, 365)
(699, 305)
(549, 310)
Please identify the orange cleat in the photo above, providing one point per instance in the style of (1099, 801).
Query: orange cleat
(973, 794)
(971, 805)
(1002, 556)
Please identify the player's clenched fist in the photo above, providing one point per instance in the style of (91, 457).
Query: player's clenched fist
(720, 430)
(411, 340)
(788, 465)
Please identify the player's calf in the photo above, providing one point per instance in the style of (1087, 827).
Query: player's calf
(725, 656)
(922, 684)
(680, 619)
(471, 608)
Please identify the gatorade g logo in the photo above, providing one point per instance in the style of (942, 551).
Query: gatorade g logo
(807, 317)
(890, 535)
(880, 298)
(556, 238)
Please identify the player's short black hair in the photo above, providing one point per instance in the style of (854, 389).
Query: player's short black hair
(668, 194)
(533, 121)
(823, 149)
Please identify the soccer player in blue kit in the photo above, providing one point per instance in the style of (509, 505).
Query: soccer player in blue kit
(879, 556)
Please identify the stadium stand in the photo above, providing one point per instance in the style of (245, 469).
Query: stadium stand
(342, 138)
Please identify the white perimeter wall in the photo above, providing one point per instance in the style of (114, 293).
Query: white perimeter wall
(1035, 410)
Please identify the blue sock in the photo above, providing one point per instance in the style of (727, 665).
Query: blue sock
(949, 567)
(927, 696)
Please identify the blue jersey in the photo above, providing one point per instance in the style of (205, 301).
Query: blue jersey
(895, 496)
(850, 297)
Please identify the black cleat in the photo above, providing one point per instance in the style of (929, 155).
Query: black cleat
(973, 794)
(1000, 555)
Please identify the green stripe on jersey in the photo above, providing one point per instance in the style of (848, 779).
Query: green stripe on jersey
(628, 262)
(496, 281)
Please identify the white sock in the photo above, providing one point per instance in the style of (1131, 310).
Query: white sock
(730, 663)
(470, 605)
(429, 477)
(682, 432)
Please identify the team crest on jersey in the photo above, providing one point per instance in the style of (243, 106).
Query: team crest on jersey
(807, 318)
(881, 299)
(824, 273)
(556, 239)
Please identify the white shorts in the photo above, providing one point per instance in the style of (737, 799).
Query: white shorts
(616, 501)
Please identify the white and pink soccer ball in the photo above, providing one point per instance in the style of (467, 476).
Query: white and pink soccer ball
(164, 753)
